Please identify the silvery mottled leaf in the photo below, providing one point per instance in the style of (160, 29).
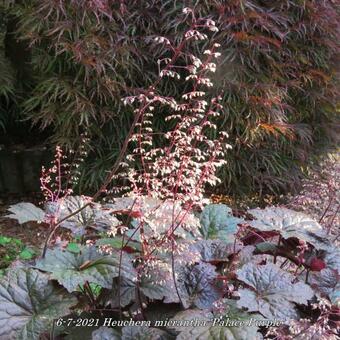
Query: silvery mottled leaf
(219, 333)
(25, 212)
(195, 283)
(134, 203)
(123, 292)
(327, 282)
(332, 258)
(204, 328)
(72, 270)
(155, 284)
(161, 217)
(105, 333)
(213, 250)
(94, 216)
(246, 255)
(290, 223)
(28, 304)
(273, 293)
(217, 221)
(143, 333)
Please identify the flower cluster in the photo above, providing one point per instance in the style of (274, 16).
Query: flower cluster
(51, 180)
(165, 184)
(188, 159)
(58, 180)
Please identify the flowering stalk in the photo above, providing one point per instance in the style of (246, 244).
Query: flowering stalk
(176, 151)
(178, 172)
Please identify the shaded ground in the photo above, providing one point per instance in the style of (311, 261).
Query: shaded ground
(18, 241)
(30, 233)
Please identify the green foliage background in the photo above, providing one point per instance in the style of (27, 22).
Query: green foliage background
(277, 75)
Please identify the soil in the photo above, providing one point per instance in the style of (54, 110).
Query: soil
(30, 233)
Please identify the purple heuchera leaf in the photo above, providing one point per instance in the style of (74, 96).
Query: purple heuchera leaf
(196, 285)
(72, 270)
(94, 216)
(290, 223)
(206, 330)
(273, 293)
(25, 212)
(327, 282)
(332, 258)
(29, 302)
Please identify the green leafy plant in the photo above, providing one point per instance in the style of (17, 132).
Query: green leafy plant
(277, 77)
(7, 78)
(12, 249)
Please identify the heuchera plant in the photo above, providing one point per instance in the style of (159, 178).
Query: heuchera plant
(159, 261)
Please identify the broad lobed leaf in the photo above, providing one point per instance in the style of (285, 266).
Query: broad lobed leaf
(272, 292)
(25, 212)
(327, 283)
(203, 326)
(28, 304)
(217, 221)
(94, 216)
(75, 269)
(290, 223)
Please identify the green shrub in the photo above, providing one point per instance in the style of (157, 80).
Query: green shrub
(276, 76)
(6, 76)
